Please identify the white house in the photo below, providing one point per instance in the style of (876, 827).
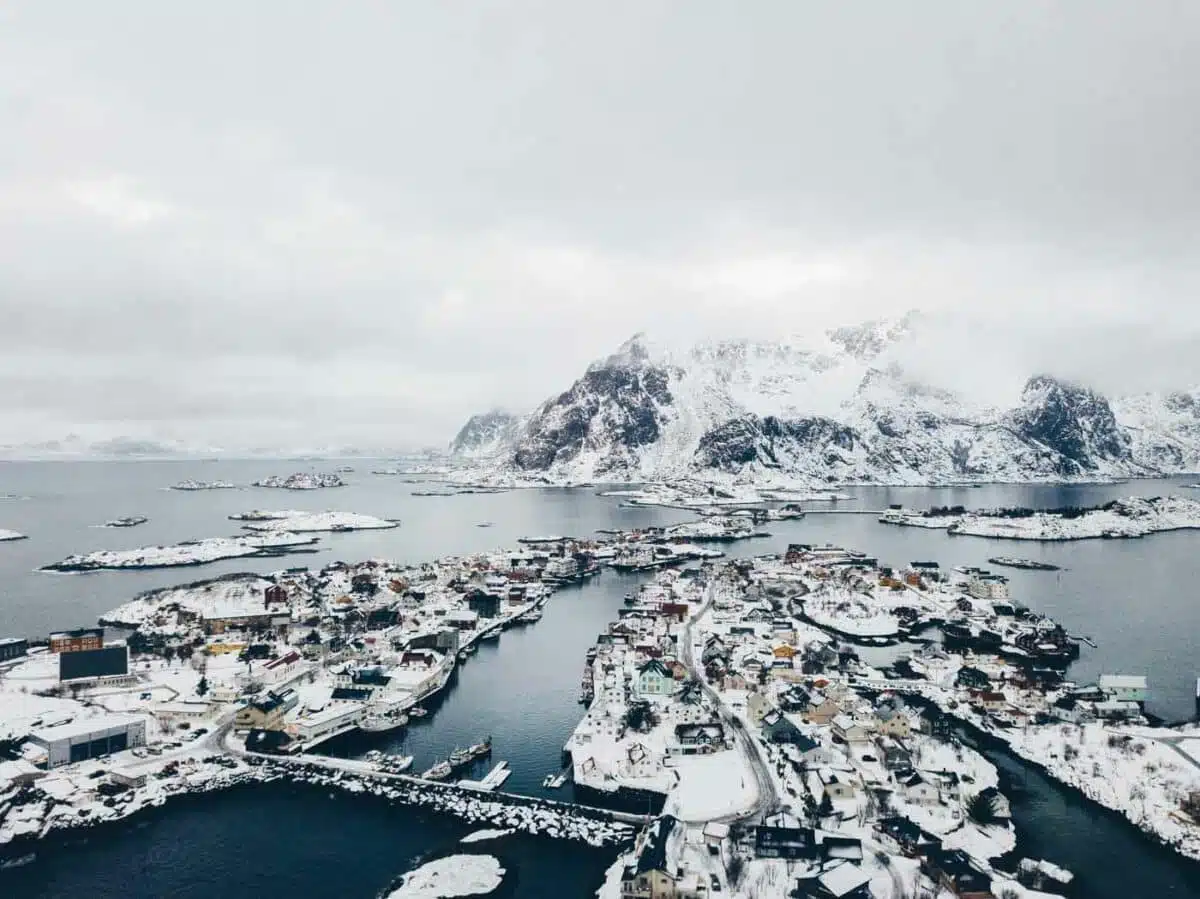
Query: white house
(919, 791)
(654, 679)
(1124, 687)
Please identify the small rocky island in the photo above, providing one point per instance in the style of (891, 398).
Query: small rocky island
(302, 481)
(1133, 517)
(131, 521)
(189, 552)
(203, 485)
(309, 522)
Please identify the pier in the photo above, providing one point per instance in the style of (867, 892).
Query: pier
(475, 801)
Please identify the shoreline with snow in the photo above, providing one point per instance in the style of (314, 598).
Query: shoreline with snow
(298, 522)
(1119, 519)
(185, 554)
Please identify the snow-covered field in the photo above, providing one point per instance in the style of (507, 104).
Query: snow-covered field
(193, 552)
(454, 875)
(20, 711)
(213, 599)
(849, 613)
(1124, 769)
(310, 522)
(711, 786)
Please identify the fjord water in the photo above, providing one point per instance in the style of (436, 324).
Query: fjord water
(1132, 597)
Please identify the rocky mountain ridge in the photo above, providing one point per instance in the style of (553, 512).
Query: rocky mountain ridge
(841, 408)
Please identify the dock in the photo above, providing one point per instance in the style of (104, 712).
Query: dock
(492, 781)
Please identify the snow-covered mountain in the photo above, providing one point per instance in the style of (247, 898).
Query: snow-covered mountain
(485, 435)
(839, 407)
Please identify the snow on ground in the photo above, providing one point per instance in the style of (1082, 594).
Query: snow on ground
(711, 786)
(203, 485)
(6, 535)
(480, 835)
(306, 522)
(214, 599)
(455, 875)
(1128, 771)
(193, 552)
(21, 711)
(1132, 517)
(850, 613)
(301, 481)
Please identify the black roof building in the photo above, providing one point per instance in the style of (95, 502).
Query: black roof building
(111, 661)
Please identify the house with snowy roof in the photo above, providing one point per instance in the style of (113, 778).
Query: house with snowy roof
(655, 679)
(656, 872)
(842, 881)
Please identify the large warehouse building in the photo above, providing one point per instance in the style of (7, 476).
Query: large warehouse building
(89, 738)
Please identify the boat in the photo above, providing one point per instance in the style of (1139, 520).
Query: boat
(462, 655)
(554, 781)
(1030, 564)
(378, 724)
(484, 524)
(417, 712)
(440, 771)
(630, 599)
(493, 634)
(460, 757)
(470, 647)
(481, 749)
(130, 522)
(398, 764)
(530, 617)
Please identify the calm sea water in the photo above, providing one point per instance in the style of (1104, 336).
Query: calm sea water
(1132, 597)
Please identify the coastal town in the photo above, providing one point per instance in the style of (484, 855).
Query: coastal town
(800, 723)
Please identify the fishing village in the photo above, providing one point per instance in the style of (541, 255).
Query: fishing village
(792, 724)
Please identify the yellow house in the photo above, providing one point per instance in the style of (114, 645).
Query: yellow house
(784, 651)
(222, 647)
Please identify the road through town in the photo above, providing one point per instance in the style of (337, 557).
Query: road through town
(767, 799)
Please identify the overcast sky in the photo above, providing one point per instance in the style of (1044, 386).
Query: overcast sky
(300, 223)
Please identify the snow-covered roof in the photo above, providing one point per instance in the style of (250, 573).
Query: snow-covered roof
(1122, 682)
(843, 879)
(83, 727)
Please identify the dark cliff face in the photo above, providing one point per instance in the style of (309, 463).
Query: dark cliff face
(1076, 423)
(614, 408)
(770, 441)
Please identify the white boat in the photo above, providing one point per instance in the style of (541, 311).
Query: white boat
(378, 724)
(554, 781)
(530, 617)
(440, 771)
(417, 712)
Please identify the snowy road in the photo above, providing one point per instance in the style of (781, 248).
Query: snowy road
(767, 800)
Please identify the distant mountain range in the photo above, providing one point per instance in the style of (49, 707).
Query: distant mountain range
(741, 410)
(75, 447)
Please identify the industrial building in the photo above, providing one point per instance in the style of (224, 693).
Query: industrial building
(13, 648)
(90, 738)
(108, 666)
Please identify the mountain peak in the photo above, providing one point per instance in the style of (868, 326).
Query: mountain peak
(869, 339)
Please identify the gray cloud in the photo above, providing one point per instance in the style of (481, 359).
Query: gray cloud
(250, 224)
